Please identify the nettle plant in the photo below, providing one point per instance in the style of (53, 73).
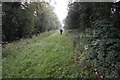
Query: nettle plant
(100, 56)
(104, 50)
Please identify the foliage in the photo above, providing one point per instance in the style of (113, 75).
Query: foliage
(103, 50)
(25, 19)
(84, 15)
(97, 40)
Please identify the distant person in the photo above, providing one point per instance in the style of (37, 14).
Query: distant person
(61, 31)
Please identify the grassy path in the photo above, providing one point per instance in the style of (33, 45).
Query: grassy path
(47, 55)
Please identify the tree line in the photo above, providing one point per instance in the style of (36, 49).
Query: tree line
(22, 20)
(98, 37)
(85, 15)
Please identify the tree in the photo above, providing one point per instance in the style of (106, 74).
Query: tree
(26, 19)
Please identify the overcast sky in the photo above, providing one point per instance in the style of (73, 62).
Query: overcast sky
(60, 9)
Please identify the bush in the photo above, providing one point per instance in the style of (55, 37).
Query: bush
(99, 51)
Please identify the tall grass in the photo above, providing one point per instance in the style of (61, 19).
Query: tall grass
(47, 55)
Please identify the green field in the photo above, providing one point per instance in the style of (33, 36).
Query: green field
(47, 55)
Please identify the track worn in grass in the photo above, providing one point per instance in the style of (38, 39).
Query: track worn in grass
(47, 55)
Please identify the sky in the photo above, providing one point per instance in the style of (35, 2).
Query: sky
(60, 9)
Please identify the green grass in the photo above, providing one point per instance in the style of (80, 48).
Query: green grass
(47, 55)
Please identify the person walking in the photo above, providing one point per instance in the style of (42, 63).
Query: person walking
(61, 31)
